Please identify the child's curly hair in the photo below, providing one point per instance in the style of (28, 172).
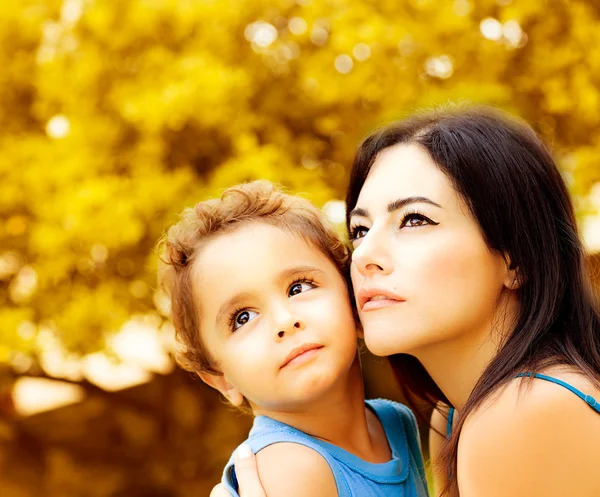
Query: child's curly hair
(258, 201)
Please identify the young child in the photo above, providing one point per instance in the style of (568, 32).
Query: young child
(261, 307)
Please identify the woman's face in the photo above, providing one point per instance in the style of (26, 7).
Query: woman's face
(421, 271)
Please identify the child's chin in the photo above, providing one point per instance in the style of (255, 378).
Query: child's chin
(314, 386)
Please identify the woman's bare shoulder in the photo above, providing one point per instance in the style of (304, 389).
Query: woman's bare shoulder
(532, 438)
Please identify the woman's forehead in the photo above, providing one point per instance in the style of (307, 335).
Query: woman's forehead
(402, 171)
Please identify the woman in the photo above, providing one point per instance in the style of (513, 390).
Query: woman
(468, 272)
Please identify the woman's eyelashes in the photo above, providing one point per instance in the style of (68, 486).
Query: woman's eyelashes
(413, 219)
(416, 219)
(241, 316)
(357, 232)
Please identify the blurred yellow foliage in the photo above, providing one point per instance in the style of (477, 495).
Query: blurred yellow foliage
(116, 115)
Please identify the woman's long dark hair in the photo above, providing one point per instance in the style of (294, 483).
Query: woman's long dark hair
(515, 192)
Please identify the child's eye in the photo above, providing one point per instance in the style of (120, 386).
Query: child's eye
(414, 220)
(299, 287)
(357, 232)
(240, 318)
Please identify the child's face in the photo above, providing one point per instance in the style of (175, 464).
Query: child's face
(262, 293)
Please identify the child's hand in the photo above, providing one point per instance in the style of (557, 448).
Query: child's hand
(247, 473)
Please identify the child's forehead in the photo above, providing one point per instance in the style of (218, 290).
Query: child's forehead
(257, 246)
(255, 238)
(253, 262)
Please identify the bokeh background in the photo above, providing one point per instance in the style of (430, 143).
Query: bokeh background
(115, 115)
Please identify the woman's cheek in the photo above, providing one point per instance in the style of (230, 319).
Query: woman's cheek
(445, 269)
(355, 278)
(460, 282)
(425, 269)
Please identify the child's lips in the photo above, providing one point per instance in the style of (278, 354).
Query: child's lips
(304, 351)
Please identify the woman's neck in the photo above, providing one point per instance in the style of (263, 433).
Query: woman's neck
(457, 365)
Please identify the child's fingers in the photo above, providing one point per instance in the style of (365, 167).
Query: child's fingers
(247, 473)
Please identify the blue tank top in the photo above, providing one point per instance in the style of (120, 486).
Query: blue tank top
(588, 399)
(402, 476)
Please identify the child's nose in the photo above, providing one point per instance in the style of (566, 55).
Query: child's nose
(282, 333)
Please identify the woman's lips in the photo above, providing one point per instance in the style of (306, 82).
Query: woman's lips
(371, 299)
(372, 305)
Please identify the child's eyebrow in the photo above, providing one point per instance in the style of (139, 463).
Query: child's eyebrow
(284, 276)
(295, 272)
(234, 301)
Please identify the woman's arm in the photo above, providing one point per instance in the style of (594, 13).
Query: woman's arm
(534, 442)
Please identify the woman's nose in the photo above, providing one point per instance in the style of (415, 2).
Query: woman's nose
(372, 256)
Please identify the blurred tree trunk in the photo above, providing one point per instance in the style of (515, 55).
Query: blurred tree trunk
(171, 436)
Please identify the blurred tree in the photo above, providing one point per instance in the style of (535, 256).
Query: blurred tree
(116, 115)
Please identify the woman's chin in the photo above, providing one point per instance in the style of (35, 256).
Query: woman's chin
(378, 346)
(385, 343)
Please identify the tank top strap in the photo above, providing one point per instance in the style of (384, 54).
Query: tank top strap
(267, 431)
(588, 399)
(400, 425)
(449, 423)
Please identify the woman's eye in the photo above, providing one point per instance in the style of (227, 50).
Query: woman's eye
(242, 318)
(301, 286)
(415, 220)
(358, 232)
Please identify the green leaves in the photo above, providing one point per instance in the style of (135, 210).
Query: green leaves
(116, 115)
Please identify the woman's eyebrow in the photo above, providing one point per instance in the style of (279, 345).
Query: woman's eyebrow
(402, 202)
(358, 211)
(395, 205)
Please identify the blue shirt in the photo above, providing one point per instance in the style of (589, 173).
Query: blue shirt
(402, 476)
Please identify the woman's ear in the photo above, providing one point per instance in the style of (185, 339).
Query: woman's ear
(513, 278)
(219, 382)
